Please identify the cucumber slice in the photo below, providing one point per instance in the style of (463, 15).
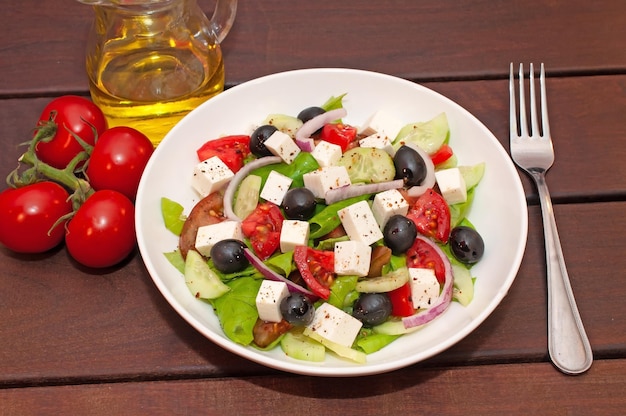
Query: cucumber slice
(384, 283)
(287, 124)
(394, 327)
(428, 135)
(368, 165)
(340, 350)
(297, 345)
(202, 282)
(472, 174)
(463, 289)
(247, 196)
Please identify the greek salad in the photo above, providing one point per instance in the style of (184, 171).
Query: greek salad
(315, 235)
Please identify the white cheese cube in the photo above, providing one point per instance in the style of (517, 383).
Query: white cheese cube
(326, 153)
(283, 146)
(352, 258)
(293, 233)
(424, 287)
(268, 300)
(275, 188)
(378, 141)
(326, 178)
(383, 123)
(210, 175)
(387, 204)
(208, 235)
(335, 325)
(359, 222)
(452, 185)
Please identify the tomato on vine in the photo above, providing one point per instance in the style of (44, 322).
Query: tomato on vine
(30, 217)
(60, 120)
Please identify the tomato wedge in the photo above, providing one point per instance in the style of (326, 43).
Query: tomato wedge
(339, 134)
(401, 302)
(422, 256)
(262, 227)
(444, 153)
(431, 216)
(232, 150)
(317, 268)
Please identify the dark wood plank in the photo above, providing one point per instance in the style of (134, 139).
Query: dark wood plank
(62, 324)
(474, 390)
(44, 42)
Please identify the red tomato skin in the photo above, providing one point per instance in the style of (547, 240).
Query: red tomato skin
(401, 301)
(444, 153)
(421, 255)
(102, 232)
(340, 134)
(316, 268)
(79, 115)
(118, 160)
(232, 150)
(262, 227)
(28, 215)
(431, 216)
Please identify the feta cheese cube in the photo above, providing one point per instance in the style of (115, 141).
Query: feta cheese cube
(424, 287)
(378, 141)
(208, 235)
(326, 153)
(352, 258)
(210, 175)
(293, 233)
(268, 300)
(359, 222)
(276, 186)
(283, 146)
(335, 325)
(387, 204)
(452, 185)
(326, 178)
(382, 123)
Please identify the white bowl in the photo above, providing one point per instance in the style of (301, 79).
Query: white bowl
(499, 211)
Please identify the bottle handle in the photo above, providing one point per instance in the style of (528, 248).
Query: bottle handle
(223, 18)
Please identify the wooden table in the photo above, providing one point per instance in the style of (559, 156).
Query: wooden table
(75, 341)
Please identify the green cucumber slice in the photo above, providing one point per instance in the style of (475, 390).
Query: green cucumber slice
(247, 196)
(287, 124)
(368, 165)
(428, 135)
(299, 346)
(463, 289)
(472, 174)
(384, 283)
(201, 281)
(342, 351)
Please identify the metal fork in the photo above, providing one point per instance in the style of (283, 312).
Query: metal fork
(532, 151)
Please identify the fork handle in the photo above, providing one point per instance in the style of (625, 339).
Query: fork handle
(568, 344)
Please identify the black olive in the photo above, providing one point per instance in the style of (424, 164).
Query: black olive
(309, 113)
(228, 256)
(466, 244)
(299, 204)
(297, 309)
(372, 308)
(409, 166)
(258, 138)
(399, 233)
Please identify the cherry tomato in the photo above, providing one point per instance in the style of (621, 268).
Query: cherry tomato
(431, 216)
(339, 134)
(118, 160)
(421, 255)
(316, 268)
(232, 150)
(444, 153)
(401, 302)
(262, 227)
(29, 214)
(72, 115)
(102, 232)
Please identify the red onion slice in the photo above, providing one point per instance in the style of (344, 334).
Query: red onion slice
(349, 191)
(272, 275)
(423, 317)
(429, 180)
(229, 194)
(303, 135)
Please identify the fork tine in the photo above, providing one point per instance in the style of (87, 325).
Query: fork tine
(512, 106)
(522, 104)
(545, 125)
(533, 103)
